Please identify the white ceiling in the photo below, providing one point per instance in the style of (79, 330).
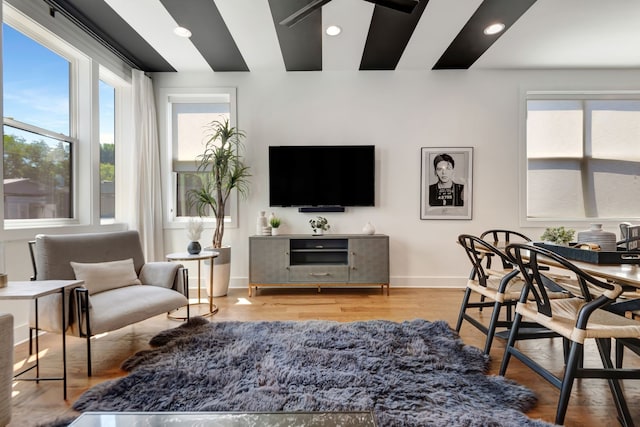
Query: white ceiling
(551, 34)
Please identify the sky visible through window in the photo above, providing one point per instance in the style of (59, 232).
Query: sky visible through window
(36, 86)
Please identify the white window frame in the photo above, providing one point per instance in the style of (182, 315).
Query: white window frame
(166, 97)
(586, 95)
(89, 63)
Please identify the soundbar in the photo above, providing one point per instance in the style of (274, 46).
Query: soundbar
(321, 209)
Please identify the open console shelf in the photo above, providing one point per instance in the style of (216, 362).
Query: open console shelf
(319, 261)
(319, 251)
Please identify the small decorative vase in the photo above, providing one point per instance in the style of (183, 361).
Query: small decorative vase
(318, 232)
(368, 228)
(194, 248)
(261, 223)
(605, 239)
(275, 231)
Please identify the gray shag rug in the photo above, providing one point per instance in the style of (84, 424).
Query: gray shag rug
(414, 373)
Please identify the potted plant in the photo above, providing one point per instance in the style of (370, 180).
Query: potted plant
(319, 225)
(224, 171)
(274, 222)
(558, 235)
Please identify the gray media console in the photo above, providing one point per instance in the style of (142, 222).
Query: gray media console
(320, 261)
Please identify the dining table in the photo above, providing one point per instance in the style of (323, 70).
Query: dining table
(627, 275)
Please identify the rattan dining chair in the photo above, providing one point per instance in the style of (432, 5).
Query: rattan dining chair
(500, 238)
(576, 319)
(498, 286)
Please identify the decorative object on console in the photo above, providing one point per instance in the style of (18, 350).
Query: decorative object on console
(261, 223)
(432, 379)
(319, 225)
(368, 228)
(194, 231)
(605, 239)
(558, 235)
(274, 222)
(223, 171)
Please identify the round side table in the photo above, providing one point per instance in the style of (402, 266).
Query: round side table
(203, 255)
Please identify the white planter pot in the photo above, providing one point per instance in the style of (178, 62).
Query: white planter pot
(221, 271)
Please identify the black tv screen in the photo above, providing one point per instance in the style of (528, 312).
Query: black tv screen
(322, 175)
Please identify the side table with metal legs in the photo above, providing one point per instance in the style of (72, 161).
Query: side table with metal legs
(203, 255)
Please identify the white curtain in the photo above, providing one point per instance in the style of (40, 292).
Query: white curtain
(147, 217)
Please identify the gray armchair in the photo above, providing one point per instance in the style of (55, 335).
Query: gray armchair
(120, 287)
(6, 367)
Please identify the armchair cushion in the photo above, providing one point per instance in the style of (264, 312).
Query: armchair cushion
(160, 273)
(125, 306)
(103, 276)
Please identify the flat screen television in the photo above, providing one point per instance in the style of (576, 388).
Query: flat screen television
(322, 175)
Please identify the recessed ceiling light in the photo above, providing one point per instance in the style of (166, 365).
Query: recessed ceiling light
(182, 32)
(333, 30)
(494, 28)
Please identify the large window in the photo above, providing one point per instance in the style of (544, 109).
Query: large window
(583, 157)
(107, 151)
(190, 116)
(66, 106)
(38, 143)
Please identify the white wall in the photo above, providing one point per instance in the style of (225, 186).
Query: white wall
(398, 112)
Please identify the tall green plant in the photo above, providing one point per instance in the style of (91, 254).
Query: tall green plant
(224, 170)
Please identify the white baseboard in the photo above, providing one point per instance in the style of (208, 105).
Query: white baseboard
(396, 281)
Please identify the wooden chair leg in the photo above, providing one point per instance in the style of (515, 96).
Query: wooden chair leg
(619, 354)
(575, 356)
(510, 343)
(604, 347)
(463, 308)
(492, 327)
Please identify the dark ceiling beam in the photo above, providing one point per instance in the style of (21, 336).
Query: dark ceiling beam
(301, 45)
(99, 21)
(303, 12)
(405, 6)
(471, 42)
(389, 33)
(209, 33)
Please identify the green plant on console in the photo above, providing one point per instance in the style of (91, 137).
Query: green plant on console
(319, 223)
(274, 222)
(558, 235)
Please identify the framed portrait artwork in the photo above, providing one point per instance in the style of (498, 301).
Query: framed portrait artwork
(446, 185)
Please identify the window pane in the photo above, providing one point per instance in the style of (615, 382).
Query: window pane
(190, 121)
(554, 128)
(187, 182)
(613, 183)
(36, 83)
(37, 176)
(554, 190)
(615, 129)
(107, 151)
(603, 180)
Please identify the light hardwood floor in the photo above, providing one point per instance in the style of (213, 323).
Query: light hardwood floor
(590, 405)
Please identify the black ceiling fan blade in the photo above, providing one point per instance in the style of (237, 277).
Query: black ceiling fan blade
(406, 6)
(302, 13)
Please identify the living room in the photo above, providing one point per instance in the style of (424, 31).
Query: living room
(397, 111)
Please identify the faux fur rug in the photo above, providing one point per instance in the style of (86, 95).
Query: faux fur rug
(414, 373)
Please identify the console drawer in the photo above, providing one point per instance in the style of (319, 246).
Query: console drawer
(319, 274)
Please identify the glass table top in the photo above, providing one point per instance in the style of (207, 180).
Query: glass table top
(226, 419)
